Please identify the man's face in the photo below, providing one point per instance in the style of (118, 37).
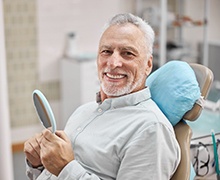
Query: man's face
(122, 60)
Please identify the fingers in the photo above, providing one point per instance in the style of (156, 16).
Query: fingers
(50, 137)
(56, 151)
(32, 150)
(47, 134)
(62, 135)
(53, 151)
(32, 145)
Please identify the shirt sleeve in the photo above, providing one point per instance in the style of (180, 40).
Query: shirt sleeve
(154, 154)
(75, 171)
(32, 173)
(71, 171)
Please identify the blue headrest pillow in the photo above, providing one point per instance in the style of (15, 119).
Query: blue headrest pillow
(174, 88)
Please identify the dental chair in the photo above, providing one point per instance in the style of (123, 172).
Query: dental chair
(179, 89)
(183, 132)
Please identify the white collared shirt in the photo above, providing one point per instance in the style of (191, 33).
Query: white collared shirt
(122, 138)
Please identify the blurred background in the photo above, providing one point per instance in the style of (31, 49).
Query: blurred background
(52, 45)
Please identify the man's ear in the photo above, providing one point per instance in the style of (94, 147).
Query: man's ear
(149, 65)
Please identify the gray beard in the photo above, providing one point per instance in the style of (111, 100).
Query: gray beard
(112, 90)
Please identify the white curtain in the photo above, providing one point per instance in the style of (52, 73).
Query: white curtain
(6, 168)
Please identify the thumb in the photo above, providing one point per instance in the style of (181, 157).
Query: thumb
(62, 135)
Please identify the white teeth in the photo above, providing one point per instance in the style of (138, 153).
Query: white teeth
(115, 76)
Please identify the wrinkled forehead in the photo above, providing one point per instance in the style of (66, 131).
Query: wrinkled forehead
(123, 34)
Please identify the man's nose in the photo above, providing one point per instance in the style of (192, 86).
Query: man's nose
(115, 60)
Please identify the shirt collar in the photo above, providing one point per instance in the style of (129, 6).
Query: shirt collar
(126, 100)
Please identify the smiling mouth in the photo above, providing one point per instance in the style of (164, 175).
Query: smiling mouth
(115, 76)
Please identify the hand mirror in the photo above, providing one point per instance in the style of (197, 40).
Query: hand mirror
(44, 110)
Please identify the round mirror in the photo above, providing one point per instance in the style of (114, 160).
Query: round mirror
(44, 110)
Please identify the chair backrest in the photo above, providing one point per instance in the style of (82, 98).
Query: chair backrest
(204, 77)
(183, 132)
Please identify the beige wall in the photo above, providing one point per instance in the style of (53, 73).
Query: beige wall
(21, 53)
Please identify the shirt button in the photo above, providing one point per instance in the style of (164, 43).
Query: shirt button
(47, 173)
(99, 110)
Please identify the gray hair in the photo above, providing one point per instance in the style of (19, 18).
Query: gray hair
(121, 19)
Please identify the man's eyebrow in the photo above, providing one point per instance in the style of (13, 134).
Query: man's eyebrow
(123, 48)
(105, 47)
(129, 48)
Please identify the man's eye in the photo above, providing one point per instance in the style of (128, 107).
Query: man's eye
(127, 53)
(105, 52)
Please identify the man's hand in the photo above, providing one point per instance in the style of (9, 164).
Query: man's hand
(32, 150)
(55, 151)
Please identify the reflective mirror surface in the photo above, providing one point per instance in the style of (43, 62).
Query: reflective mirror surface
(44, 110)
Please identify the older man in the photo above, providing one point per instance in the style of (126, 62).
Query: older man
(122, 136)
